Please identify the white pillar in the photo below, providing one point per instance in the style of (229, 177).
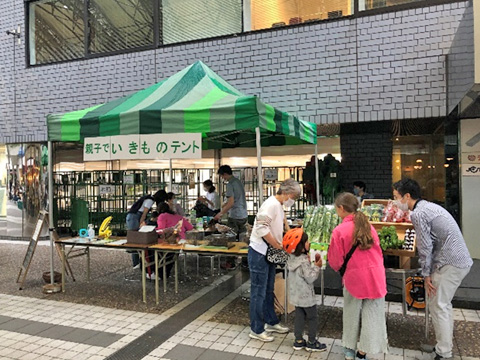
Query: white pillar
(317, 175)
(50, 207)
(259, 169)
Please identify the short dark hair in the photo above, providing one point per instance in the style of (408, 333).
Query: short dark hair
(164, 208)
(224, 169)
(170, 195)
(408, 186)
(360, 184)
(300, 249)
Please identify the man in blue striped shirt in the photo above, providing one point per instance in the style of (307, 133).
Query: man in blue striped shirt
(443, 256)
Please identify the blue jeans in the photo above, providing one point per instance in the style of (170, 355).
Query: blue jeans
(262, 279)
(133, 223)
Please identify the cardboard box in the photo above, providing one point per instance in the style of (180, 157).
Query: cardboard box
(143, 238)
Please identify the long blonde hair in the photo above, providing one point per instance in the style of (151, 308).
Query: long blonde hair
(362, 234)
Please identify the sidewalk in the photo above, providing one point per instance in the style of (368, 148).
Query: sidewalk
(207, 319)
(46, 329)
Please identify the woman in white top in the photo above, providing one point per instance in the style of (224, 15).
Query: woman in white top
(268, 228)
(211, 198)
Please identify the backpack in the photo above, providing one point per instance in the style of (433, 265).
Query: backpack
(203, 210)
(138, 204)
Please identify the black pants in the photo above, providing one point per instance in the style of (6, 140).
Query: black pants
(310, 315)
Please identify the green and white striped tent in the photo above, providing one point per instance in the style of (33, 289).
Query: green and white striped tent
(195, 100)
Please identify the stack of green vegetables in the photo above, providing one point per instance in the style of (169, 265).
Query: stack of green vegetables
(319, 223)
(389, 239)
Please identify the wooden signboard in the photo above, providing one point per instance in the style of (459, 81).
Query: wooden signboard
(32, 245)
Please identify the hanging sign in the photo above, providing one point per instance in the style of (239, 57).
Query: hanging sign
(271, 174)
(106, 189)
(143, 147)
(128, 179)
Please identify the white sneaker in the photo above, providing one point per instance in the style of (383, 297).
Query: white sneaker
(136, 267)
(264, 336)
(276, 328)
(151, 276)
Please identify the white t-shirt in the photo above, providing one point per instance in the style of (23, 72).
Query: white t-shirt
(269, 219)
(214, 198)
(147, 203)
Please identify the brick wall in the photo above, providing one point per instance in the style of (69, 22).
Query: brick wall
(382, 67)
(367, 156)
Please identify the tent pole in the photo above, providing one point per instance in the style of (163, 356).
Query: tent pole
(171, 176)
(317, 176)
(50, 207)
(259, 170)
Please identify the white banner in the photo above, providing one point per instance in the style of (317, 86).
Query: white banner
(143, 147)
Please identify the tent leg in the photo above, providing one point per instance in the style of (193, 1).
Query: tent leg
(317, 176)
(259, 170)
(171, 176)
(50, 207)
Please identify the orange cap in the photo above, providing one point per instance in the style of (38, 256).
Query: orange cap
(291, 239)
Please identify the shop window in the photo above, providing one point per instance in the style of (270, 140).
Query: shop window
(376, 4)
(266, 14)
(120, 25)
(422, 158)
(188, 20)
(56, 31)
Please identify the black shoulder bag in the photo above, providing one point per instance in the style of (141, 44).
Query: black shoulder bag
(347, 259)
(275, 256)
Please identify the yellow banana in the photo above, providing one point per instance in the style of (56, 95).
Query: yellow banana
(104, 230)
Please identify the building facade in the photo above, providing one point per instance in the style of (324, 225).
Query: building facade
(396, 75)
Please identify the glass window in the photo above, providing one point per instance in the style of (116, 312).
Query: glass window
(119, 25)
(375, 4)
(274, 13)
(56, 31)
(422, 157)
(187, 20)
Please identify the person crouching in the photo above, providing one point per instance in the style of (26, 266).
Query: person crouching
(301, 293)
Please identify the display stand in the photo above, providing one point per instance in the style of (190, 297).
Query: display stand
(32, 245)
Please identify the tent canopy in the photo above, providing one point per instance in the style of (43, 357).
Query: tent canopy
(195, 100)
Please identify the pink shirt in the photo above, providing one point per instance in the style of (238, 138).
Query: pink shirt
(167, 220)
(365, 274)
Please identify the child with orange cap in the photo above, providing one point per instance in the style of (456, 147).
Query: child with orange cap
(301, 293)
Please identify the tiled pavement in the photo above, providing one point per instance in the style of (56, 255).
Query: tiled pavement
(46, 329)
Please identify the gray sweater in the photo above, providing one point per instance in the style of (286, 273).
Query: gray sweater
(301, 277)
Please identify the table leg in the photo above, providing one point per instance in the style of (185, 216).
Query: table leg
(404, 300)
(164, 268)
(63, 268)
(88, 263)
(286, 293)
(144, 280)
(156, 277)
(322, 285)
(176, 274)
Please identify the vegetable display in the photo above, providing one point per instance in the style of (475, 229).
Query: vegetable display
(319, 223)
(389, 238)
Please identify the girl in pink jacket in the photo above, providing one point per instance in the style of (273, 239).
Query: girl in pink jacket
(364, 280)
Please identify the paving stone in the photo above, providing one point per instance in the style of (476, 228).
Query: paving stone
(184, 352)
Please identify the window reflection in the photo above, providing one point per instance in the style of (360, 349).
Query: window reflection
(188, 20)
(120, 24)
(56, 31)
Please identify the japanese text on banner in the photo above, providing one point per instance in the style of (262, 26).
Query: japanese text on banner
(152, 146)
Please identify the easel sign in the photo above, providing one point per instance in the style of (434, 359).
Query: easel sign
(32, 245)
